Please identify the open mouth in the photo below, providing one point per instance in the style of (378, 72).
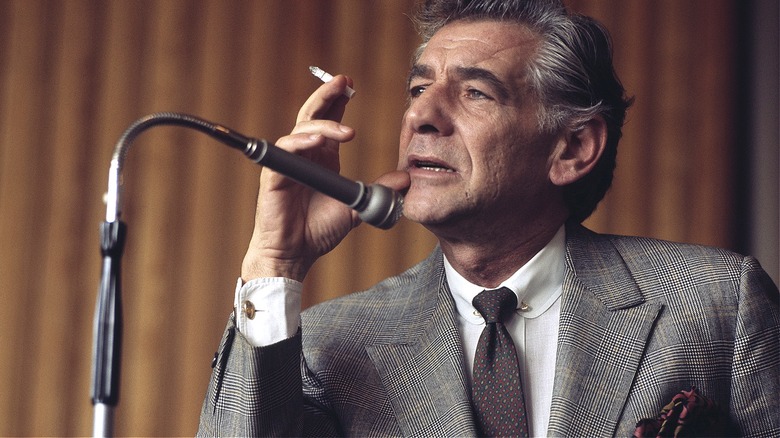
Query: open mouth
(432, 166)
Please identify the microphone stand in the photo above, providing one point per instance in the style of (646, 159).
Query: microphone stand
(376, 204)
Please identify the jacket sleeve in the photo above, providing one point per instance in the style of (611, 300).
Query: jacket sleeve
(755, 373)
(257, 391)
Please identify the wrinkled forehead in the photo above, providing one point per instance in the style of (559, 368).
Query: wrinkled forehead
(500, 46)
(489, 31)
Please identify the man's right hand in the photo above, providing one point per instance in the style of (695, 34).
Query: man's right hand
(295, 225)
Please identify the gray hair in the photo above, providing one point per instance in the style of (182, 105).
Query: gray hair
(571, 73)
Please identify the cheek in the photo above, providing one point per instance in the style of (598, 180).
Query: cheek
(401, 154)
(403, 140)
(495, 151)
(403, 145)
(513, 162)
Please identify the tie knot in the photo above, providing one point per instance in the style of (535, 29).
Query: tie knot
(496, 305)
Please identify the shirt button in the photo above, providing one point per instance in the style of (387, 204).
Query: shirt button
(248, 309)
(476, 313)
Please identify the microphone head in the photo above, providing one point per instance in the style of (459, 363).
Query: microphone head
(383, 206)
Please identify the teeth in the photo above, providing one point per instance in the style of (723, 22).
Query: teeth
(436, 169)
(433, 167)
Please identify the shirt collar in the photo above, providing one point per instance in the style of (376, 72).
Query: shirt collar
(537, 284)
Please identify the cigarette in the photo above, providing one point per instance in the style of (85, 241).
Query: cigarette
(327, 77)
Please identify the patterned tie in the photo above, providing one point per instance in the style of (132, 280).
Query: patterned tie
(497, 391)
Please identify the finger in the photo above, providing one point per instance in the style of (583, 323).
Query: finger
(301, 142)
(327, 102)
(327, 128)
(315, 147)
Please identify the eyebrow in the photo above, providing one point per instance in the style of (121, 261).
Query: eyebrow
(466, 73)
(419, 71)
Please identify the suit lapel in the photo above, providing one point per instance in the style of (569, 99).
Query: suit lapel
(422, 369)
(604, 328)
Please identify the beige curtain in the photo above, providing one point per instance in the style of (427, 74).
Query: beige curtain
(74, 74)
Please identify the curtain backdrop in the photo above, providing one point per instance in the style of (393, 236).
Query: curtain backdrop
(74, 74)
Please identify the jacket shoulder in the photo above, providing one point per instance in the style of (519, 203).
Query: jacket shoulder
(663, 259)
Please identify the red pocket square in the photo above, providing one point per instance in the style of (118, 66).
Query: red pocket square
(689, 414)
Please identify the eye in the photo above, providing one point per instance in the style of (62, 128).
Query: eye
(473, 93)
(416, 91)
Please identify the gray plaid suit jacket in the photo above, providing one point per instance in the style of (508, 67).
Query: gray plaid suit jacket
(641, 319)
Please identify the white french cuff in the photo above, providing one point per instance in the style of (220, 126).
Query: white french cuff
(268, 310)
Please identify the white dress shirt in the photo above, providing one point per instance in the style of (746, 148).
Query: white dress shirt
(275, 307)
(538, 286)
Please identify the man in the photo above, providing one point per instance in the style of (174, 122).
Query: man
(508, 143)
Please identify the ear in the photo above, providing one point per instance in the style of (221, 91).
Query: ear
(577, 152)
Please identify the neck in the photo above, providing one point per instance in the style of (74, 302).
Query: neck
(490, 260)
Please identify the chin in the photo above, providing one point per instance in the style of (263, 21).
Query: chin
(423, 212)
(423, 217)
(431, 215)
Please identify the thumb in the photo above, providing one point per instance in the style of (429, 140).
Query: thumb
(397, 180)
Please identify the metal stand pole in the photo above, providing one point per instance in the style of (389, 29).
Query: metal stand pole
(107, 333)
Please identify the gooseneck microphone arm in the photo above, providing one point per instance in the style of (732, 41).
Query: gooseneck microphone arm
(377, 205)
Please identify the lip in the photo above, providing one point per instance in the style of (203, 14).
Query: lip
(426, 165)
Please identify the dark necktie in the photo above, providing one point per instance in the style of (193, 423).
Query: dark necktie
(497, 392)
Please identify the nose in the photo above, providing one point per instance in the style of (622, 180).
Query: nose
(430, 112)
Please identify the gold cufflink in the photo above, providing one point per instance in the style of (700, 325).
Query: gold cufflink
(248, 309)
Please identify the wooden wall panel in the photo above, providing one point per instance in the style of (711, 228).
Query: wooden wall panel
(74, 74)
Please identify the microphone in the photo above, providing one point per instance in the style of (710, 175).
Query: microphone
(376, 204)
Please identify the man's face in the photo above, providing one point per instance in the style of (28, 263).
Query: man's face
(470, 138)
